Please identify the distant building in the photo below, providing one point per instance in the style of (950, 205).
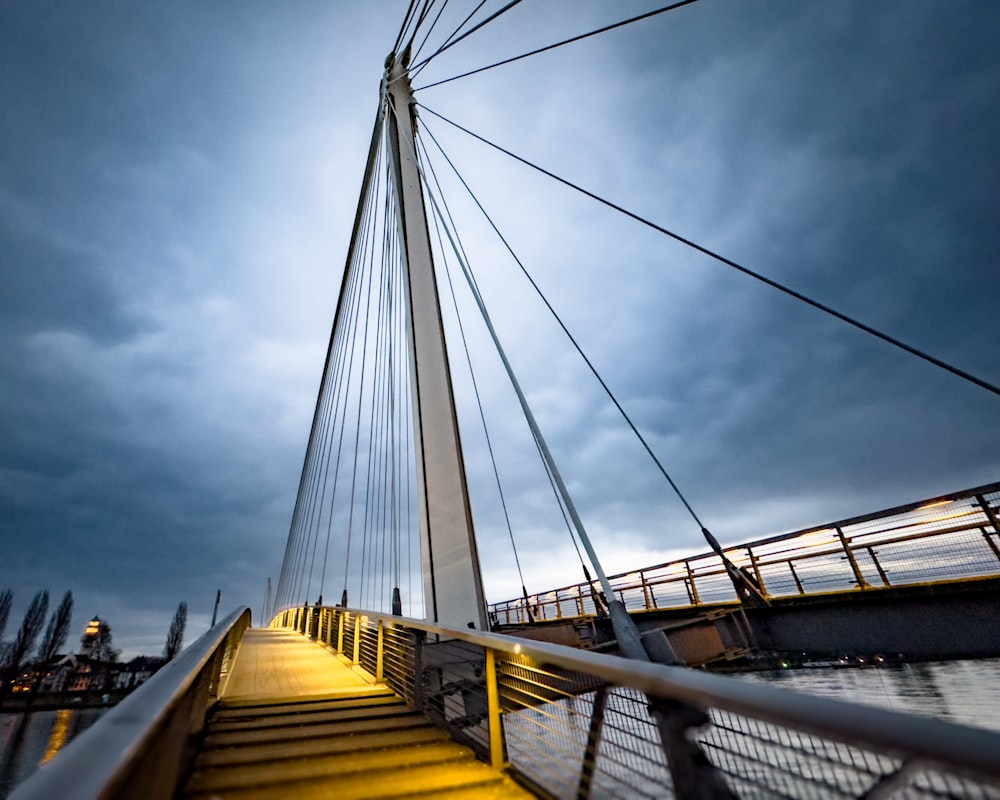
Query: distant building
(137, 671)
(95, 637)
(94, 669)
(80, 673)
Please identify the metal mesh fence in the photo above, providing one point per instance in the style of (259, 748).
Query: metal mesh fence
(571, 735)
(399, 660)
(451, 687)
(763, 760)
(954, 538)
(347, 626)
(568, 732)
(368, 647)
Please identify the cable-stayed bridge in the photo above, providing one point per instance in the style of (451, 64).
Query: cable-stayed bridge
(378, 671)
(915, 582)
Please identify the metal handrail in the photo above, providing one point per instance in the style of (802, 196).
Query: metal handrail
(138, 748)
(956, 748)
(853, 546)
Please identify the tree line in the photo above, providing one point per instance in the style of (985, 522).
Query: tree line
(15, 657)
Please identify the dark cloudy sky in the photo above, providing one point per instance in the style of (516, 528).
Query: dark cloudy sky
(177, 185)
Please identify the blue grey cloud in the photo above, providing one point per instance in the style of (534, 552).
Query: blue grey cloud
(176, 189)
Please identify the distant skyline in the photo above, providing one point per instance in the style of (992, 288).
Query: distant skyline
(177, 186)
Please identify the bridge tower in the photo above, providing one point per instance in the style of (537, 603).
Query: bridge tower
(453, 586)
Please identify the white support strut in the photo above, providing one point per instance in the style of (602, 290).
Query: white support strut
(453, 588)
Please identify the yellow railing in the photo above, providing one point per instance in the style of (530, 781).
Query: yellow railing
(943, 539)
(572, 723)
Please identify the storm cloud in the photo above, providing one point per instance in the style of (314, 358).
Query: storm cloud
(177, 186)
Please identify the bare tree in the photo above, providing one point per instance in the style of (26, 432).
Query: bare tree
(58, 630)
(6, 598)
(175, 636)
(103, 650)
(31, 626)
(34, 619)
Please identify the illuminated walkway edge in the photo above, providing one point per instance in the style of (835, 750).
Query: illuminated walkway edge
(296, 720)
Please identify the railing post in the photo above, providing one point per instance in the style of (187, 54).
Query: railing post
(340, 632)
(862, 583)
(694, 776)
(493, 706)
(645, 591)
(795, 577)
(756, 572)
(991, 543)
(692, 587)
(355, 660)
(378, 657)
(418, 669)
(593, 743)
(878, 566)
(990, 514)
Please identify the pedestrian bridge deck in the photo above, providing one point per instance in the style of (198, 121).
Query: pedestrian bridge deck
(295, 720)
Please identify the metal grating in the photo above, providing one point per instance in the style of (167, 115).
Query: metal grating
(952, 538)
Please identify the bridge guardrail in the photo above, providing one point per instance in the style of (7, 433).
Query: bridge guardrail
(573, 723)
(956, 537)
(141, 747)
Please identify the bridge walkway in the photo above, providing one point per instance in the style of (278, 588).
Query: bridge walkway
(295, 720)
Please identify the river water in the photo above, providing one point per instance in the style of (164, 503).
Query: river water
(966, 692)
(28, 740)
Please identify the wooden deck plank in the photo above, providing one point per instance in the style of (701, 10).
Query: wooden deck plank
(279, 663)
(290, 733)
(427, 780)
(297, 721)
(315, 747)
(262, 721)
(278, 772)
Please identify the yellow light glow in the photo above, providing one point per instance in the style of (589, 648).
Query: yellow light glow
(943, 517)
(59, 735)
(814, 538)
(517, 649)
(935, 504)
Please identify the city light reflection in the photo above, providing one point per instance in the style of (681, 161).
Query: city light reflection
(59, 735)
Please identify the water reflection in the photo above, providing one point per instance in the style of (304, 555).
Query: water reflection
(967, 692)
(59, 736)
(13, 745)
(31, 739)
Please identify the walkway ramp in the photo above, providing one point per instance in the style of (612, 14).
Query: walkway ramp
(296, 721)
